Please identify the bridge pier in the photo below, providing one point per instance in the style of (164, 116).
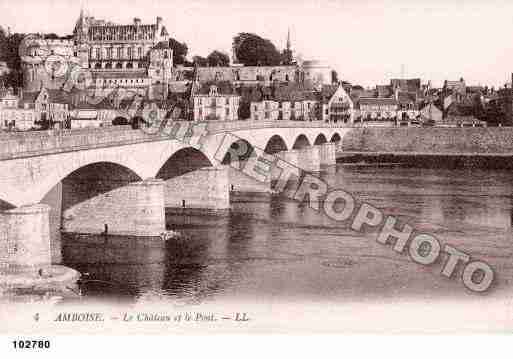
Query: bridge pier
(25, 238)
(327, 154)
(25, 255)
(241, 182)
(205, 188)
(135, 209)
(307, 159)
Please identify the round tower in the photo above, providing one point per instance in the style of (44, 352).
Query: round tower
(46, 62)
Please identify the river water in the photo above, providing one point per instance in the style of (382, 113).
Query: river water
(274, 249)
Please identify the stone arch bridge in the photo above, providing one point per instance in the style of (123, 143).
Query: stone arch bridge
(121, 180)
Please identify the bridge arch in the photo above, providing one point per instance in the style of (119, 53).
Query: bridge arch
(93, 179)
(60, 167)
(4, 205)
(239, 151)
(320, 139)
(275, 144)
(120, 121)
(336, 137)
(301, 142)
(185, 160)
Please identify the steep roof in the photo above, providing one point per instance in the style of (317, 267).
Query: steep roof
(408, 85)
(223, 88)
(384, 90)
(294, 92)
(377, 101)
(243, 73)
(162, 44)
(54, 96)
(406, 97)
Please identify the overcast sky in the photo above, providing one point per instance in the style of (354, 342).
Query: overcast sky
(367, 42)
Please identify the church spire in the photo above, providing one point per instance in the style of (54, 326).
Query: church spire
(288, 39)
(287, 55)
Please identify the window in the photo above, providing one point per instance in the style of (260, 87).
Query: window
(139, 52)
(227, 112)
(129, 53)
(119, 52)
(98, 53)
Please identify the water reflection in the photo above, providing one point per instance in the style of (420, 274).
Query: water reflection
(267, 248)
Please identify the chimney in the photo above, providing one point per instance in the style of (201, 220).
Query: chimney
(137, 21)
(159, 21)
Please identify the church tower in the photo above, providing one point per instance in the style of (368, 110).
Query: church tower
(287, 56)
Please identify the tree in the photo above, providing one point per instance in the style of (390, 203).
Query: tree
(252, 50)
(200, 61)
(9, 46)
(180, 50)
(477, 106)
(218, 58)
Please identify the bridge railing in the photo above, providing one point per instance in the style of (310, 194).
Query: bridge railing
(224, 126)
(35, 143)
(23, 144)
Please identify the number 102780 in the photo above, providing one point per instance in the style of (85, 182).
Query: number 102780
(31, 344)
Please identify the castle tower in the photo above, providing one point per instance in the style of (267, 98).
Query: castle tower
(80, 34)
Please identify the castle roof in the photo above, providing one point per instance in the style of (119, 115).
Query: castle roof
(162, 45)
(377, 101)
(122, 32)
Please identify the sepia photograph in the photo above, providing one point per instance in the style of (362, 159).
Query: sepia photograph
(333, 167)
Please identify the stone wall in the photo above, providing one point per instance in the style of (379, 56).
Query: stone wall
(206, 188)
(133, 209)
(435, 140)
(309, 159)
(241, 182)
(25, 238)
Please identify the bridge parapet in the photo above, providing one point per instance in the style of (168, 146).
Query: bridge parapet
(37, 143)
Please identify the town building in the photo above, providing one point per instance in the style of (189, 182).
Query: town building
(377, 110)
(337, 106)
(294, 103)
(215, 102)
(458, 89)
(8, 99)
(12, 117)
(408, 106)
(50, 107)
(4, 68)
(430, 114)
